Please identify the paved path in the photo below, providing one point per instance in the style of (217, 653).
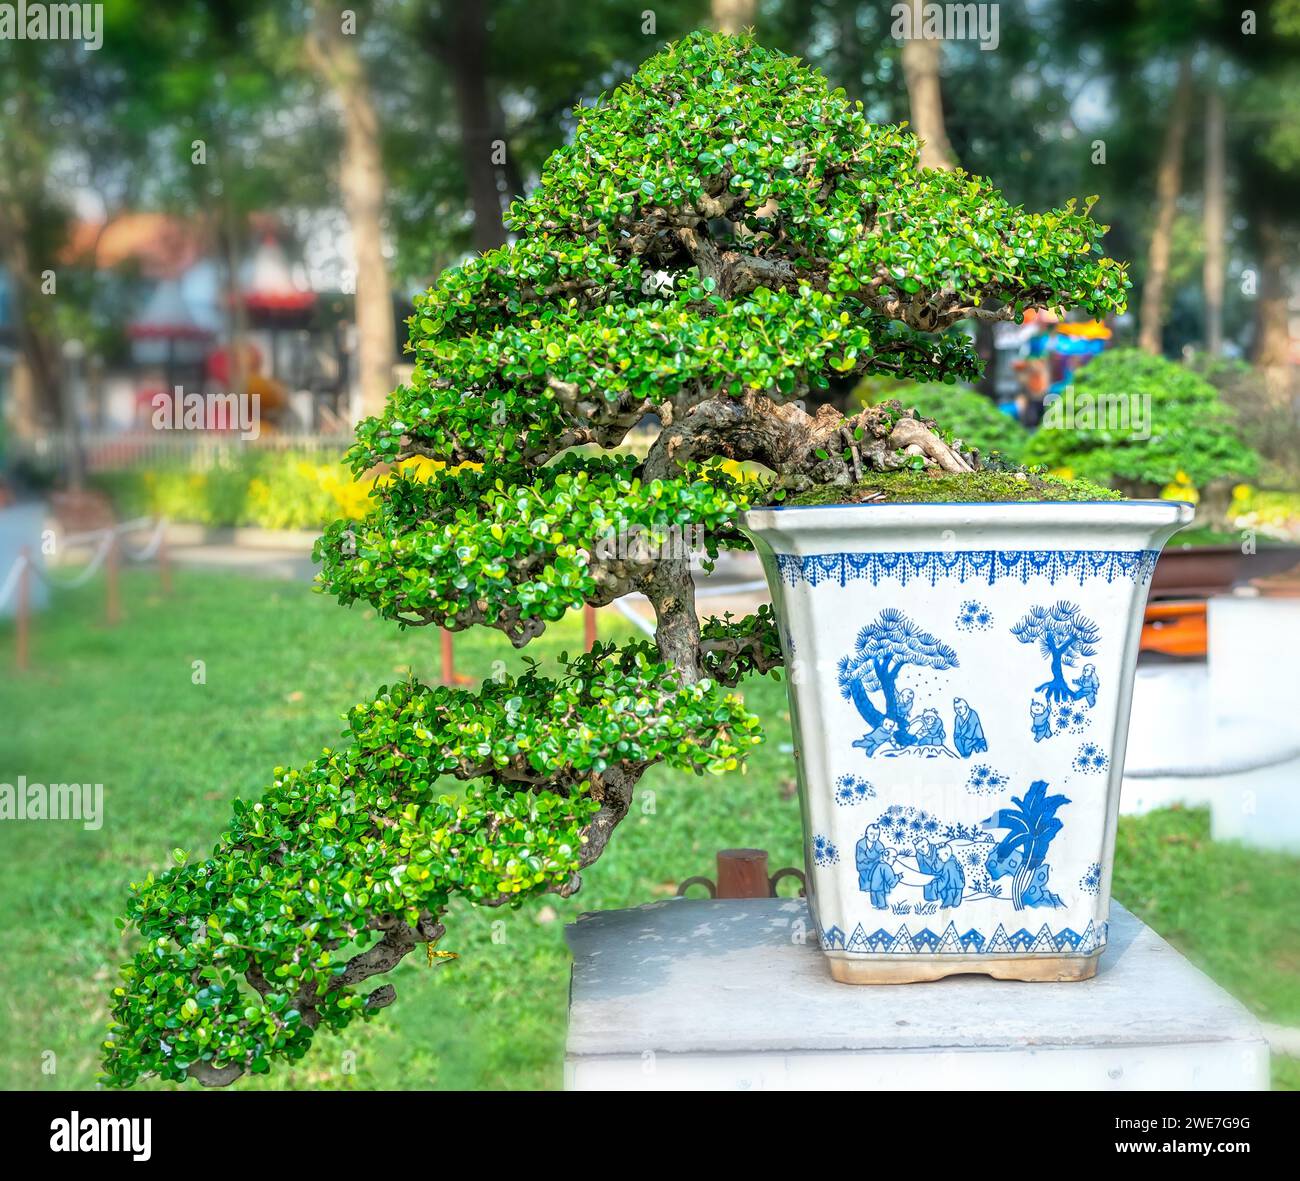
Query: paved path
(285, 565)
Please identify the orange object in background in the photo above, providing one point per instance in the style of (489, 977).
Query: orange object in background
(1175, 629)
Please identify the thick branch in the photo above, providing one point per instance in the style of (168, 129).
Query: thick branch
(803, 449)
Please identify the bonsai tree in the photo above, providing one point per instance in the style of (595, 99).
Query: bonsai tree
(1140, 423)
(722, 235)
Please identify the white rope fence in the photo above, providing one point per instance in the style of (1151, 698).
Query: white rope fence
(10, 583)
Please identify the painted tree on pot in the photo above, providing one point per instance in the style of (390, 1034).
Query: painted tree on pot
(1063, 635)
(721, 235)
(1031, 825)
(880, 653)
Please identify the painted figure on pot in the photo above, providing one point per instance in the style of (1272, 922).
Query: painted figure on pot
(876, 873)
(967, 732)
(949, 881)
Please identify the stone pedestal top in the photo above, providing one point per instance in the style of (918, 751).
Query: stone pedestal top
(702, 993)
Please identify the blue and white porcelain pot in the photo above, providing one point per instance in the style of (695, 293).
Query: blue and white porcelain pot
(960, 678)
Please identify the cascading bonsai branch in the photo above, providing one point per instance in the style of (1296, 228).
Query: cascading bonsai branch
(723, 235)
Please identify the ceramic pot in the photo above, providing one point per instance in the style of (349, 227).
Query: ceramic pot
(960, 678)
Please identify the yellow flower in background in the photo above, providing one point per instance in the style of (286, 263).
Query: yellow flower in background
(1181, 488)
(259, 491)
(290, 491)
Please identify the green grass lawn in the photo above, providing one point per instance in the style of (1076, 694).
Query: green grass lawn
(120, 707)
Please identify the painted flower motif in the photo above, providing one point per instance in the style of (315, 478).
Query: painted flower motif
(1072, 716)
(902, 826)
(974, 617)
(973, 859)
(1091, 759)
(1090, 883)
(852, 789)
(824, 851)
(984, 780)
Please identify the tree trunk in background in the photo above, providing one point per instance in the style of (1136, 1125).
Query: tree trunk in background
(463, 52)
(362, 184)
(1169, 175)
(849, 49)
(36, 389)
(1216, 216)
(1272, 322)
(733, 16)
(512, 178)
(921, 58)
(232, 240)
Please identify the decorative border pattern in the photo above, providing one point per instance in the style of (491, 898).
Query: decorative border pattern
(949, 942)
(985, 566)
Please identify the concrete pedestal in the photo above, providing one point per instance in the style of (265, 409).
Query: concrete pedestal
(735, 995)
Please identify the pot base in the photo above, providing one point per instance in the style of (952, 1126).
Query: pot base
(1036, 968)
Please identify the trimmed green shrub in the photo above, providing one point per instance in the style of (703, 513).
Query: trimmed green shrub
(270, 490)
(1136, 420)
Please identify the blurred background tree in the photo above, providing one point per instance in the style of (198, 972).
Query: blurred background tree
(391, 135)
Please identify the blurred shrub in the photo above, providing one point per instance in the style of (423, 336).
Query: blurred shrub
(1268, 424)
(263, 489)
(1140, 423)
(960, 411)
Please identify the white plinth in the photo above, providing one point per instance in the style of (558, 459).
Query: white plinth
(735, 995)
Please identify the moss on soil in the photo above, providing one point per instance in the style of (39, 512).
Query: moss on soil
(930, 485)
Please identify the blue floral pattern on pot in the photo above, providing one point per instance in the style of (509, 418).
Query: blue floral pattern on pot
(974, 617)
(1091, 759)
(978, 694)
(984, 780)
(824, 851)
(853, 789)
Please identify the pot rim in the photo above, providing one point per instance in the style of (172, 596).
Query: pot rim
(1015, 515)
(1156, 502)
